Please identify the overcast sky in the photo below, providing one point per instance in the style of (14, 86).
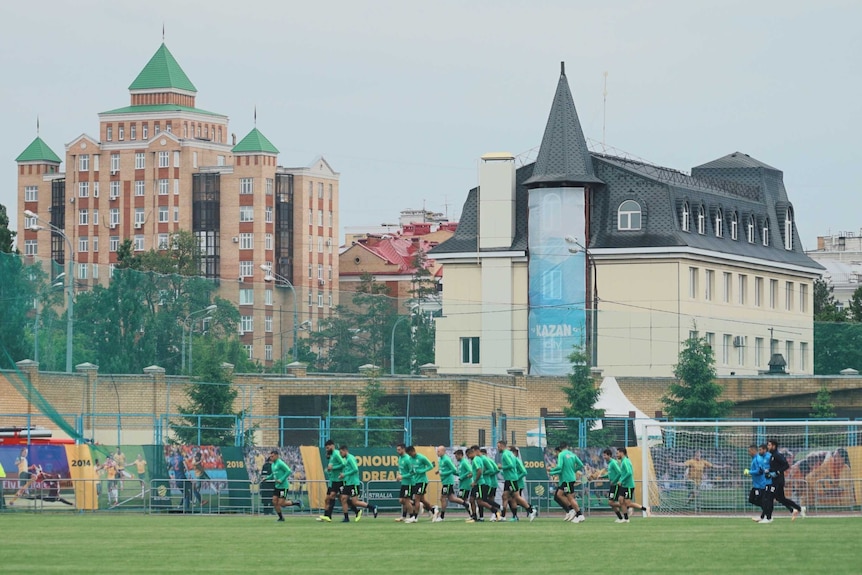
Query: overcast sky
(403, 97)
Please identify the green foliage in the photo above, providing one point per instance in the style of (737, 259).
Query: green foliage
(825, 306)
(343, 426)
(855, 307)
(822, 408)
(695, 393)
(21, 285)
(380, 414)
(6, 235)
(836, 347)
(581, 397)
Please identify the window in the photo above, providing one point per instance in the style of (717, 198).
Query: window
(319, 299)
(319, 271)
(773, 293)
(194, 159)
(319, 217)
(267, 324)
(743, 289)
(330, 191)
(246, 323)
(310, 270)
(629, 216)
(121, 133)
(693, 334)
(140, 160)
(176, 159)
(803, 356)
(246, 186)
(163, 214)
(95, 217)
(758, 292)
(246, 269)
(310, 244)
(82, 271)
(163, 241)
(734, 226)
(329, 271)
(164, 187)
(176, 187)
(139, 243)
(83, 189)
(96, 162)
(84, 163)
(686, 217)
(144, 132)
(758, 352)
(710, 285)
(246, 213)
(267, 296)
(470, 350)
(309, 299)
(31, 247)
(156, 128)
(310, 190)
(788, 296)
(725, 348)
(710, 339)
(267, 211)
(750, 230)
(270, 184)
(114, 214)
(249, 349)
(109, 133)
(728, 287)
(31, 193)
(788, 354)
(164, 159)
(115, 163)
(740, 355)
(320, 245)
(330, 299)
(246, 241)
(133, 132)
(320, 190)
(803, 298)
(766, 232)
(219, 160)
(96, 189)
(692, 282)
(246, 297)
(139, 187)
(30, 222)
(114, 243)
(83, 217)
(115, 190)
(330, 219)
(701, 220)
(267, 352)
(83, 244)
(176, 213)
(267, 242)
(719, 223)
(310, 217)
(788, 229)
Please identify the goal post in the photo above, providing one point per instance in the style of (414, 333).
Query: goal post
(697, 467)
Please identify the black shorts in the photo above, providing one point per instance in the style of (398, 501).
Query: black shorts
(627, 492)
(350, 490)
(510, 486)
(279, 492)
(405, 491)
(466, 493)
(568, 487)
(613, 492)
(335, 488)
(485, 492)
(447, 490)
(418, 489)
(755, 496)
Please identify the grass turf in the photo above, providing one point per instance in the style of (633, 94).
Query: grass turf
(126, 543)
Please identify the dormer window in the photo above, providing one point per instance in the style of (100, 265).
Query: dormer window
(766, 232)
(701, 220)
(629, 216)
(734, 226)
(686, 217)
(788, 229)
(719, 223)
(750, 230)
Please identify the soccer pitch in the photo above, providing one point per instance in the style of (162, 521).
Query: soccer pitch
(127, 543)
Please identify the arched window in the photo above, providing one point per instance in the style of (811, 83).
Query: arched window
(788, 229)
(686, 217)
(766, 231)
(719, 223)
(734, 225)
(750, 231)
(701, 220)
(629, 216)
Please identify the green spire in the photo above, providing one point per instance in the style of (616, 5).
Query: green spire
(162, 71)
(38, 151)
(255, 142)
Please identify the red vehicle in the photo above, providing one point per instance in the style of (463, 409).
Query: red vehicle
(30, 435)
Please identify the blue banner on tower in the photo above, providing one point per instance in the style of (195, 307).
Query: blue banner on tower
(557, 293)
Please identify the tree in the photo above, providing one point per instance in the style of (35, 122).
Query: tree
(581, 398)
(825, 306)
(381, 414)
(695, 393)
(822, 408)
(6, 235)
(855, 307)
(836, 347)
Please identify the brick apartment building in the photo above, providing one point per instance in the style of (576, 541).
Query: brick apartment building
(161, 165)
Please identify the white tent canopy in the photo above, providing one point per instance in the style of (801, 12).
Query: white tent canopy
(616, 404)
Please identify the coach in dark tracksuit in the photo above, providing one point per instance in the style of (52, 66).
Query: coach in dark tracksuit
(778, 466)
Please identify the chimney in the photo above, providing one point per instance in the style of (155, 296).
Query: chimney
(496, 200)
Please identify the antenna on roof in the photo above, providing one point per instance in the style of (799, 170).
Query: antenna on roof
(562, 68)
(37, 124)
(604, 109)
(255, 115)
(163, 31)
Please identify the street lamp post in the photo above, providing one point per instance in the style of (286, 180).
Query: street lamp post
(70, 281)
(207, 310)
(593, 295)
(392, 343)
(270, 275)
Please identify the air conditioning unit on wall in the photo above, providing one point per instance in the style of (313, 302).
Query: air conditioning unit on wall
(739, 341)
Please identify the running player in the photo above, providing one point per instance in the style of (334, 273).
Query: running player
(485, 482)
(350, 489)
(405, 476)
(511, 492)
(522, 475)
(778, 466)
(446, 470)
(626, 482)
(757, 471)
(568, 465)
(421, 466)
(612, 472)
(280, 473)
(334, 469)
(465, 480)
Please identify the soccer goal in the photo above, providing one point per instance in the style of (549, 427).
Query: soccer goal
(697, 468)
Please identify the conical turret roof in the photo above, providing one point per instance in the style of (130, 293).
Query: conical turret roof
(162, 71)
(255, 141)
(38, 151)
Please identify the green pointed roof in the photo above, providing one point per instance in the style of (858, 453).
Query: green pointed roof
(162, 71)
(255, 142)
(38, 151)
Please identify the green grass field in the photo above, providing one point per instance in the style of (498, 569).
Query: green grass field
(127, 543)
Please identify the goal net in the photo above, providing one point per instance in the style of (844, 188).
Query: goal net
(697, 468)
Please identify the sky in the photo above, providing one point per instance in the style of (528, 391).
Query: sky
(403, 98)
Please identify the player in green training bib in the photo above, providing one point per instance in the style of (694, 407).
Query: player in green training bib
(509, 465)
(405, 476)
(566, 471)
(350, 489)
(446, 470)
(280, 473)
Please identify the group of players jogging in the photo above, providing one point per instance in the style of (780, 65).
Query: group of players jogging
(767, 470)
